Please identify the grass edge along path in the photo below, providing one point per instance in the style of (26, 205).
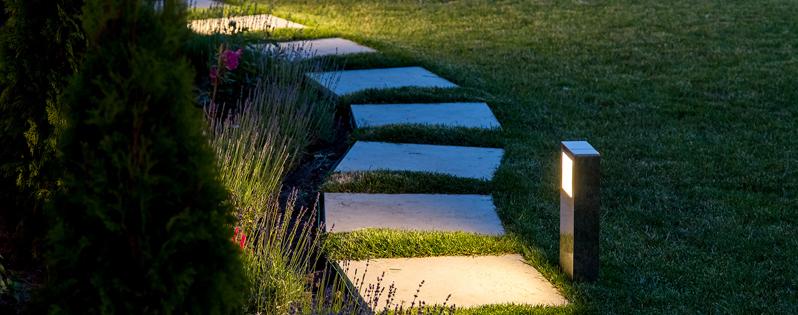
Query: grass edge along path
(403, 182)
(374, 243)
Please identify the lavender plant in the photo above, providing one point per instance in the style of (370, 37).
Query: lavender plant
(284, 94)
(255, 142)
(250, 152)
(282, 249)
(280, 246)
(368, 301)
(252, 155)
(271, 82)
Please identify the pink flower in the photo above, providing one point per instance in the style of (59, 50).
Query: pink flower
(231, 59)
(213, 79)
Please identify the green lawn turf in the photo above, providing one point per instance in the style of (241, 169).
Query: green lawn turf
(403, 182)
(692, 104)
(391, 243)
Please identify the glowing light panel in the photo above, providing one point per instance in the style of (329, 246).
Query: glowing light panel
(567, 175)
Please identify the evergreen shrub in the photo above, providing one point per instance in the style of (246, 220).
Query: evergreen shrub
(143, 225)
(41, 44)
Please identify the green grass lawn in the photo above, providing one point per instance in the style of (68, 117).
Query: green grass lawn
(403, 182)
(390, 243)
(692, 105)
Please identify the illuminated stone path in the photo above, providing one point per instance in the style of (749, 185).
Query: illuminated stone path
(453, 160)
(319, 47)
(351, 81)
(471, 281)
(467, 213)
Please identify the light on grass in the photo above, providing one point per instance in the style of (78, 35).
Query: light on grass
(580, 200)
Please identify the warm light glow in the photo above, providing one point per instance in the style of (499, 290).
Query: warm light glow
(567, 175)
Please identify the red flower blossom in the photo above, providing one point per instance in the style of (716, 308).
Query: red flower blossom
(243, 238)
(231, 59)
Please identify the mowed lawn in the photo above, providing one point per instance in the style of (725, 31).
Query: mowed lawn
(692, 105)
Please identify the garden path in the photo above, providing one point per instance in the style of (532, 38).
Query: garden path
(351, 81)
(471, 281)
(458, 161)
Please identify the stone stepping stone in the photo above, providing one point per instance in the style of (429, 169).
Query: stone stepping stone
(467, 213)
(458, 161)
(476, 115)
(204, 4)
(358, 80)
(253, 22)
(472, 281)
(320, 47)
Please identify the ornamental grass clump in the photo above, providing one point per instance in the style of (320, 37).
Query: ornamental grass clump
(239, 68)
(281, 247)
(256, 141)
(301, 111)
(261, 117)
(261, 137)
(250, 153)
(278, 244)
(281, 99)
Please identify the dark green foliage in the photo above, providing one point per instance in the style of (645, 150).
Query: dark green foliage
(143, 224)
(40, 47)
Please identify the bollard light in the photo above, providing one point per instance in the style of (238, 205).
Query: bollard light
(567, 175)
(580, 201)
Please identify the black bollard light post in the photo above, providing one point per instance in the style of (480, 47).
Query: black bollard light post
(580, 201)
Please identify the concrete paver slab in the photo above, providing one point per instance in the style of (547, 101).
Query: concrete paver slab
(472, 281)
(204, 4)
(320, 47)
(253, 22)
(357, 80)
(467, 213)
(449, 114)
(458, 161)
